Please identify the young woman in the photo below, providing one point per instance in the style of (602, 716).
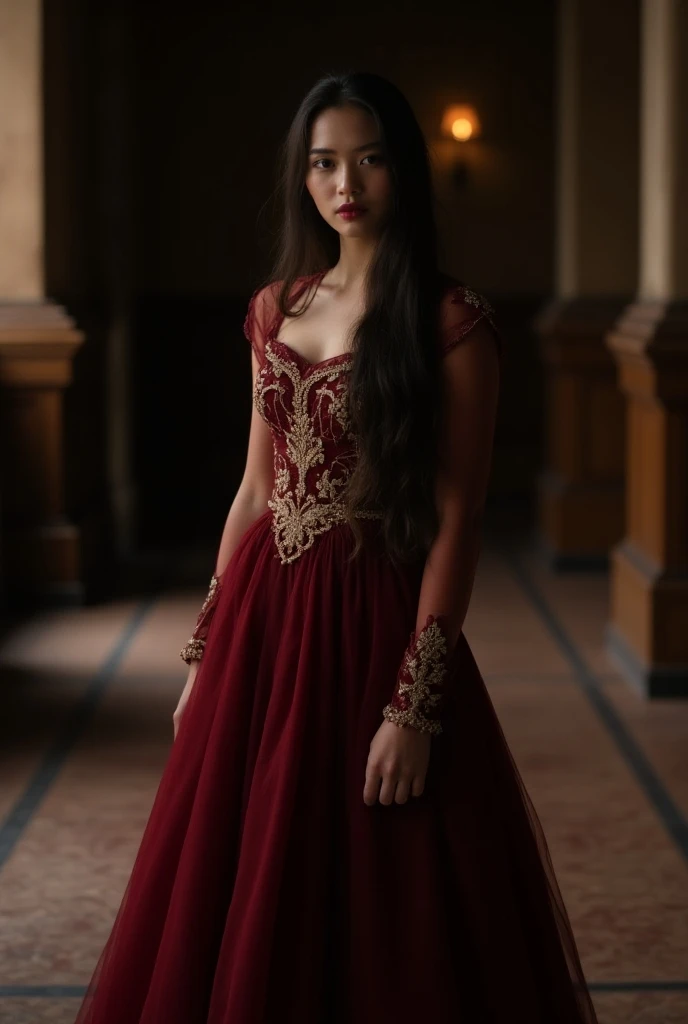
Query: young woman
(340, 835)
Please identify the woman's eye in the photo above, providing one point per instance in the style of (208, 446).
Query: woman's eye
(324, 163)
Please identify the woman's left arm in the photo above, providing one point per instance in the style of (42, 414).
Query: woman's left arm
(471, 376)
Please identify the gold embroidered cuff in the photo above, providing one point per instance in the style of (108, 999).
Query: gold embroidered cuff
(419, 691)
(212, 593)
(192, 651)
(411, 718)
(194, 648)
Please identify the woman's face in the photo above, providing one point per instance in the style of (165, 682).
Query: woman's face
(346, 165)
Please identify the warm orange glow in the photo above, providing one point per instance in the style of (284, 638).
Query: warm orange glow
(461, 122)
(462, 129)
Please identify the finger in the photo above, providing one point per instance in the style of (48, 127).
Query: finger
(372, 785)
(418, 785)
(402, 793)
(387, 789)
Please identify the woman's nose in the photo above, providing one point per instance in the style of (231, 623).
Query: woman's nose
(349, 181)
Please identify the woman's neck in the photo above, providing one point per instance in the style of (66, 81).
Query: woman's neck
(355, 255)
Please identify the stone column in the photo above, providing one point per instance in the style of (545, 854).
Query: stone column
(40, 547)
(580, 492)
(648, 633)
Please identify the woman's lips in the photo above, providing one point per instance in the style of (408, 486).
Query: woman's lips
(353, 213)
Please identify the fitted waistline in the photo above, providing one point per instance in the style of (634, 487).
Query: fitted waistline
(295, 527)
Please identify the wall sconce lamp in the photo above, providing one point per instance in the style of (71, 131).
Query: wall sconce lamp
(460, 123)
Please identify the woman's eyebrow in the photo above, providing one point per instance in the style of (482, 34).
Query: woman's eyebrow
(358, 149)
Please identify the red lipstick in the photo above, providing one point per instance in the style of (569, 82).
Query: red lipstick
(349, 211)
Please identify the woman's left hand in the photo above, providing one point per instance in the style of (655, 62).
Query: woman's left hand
(397, 764)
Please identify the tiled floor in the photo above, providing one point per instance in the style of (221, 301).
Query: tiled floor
(87, 702)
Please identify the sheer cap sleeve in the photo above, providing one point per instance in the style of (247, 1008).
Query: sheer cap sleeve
(461, 309)
(260, 317)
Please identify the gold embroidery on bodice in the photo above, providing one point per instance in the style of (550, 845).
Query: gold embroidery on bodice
(307, 412)
(472, 298)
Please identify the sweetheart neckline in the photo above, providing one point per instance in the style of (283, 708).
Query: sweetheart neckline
(309, 364)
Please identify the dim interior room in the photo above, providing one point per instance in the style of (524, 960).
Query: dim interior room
(138, 214)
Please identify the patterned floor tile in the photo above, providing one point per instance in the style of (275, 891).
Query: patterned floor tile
(642, 1007)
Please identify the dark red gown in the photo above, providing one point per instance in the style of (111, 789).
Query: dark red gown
(265, 891)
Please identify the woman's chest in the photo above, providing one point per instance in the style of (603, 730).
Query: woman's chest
(323, 331)
(304, 400)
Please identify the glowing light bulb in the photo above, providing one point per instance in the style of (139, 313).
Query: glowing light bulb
(462, 129)
(461, 122)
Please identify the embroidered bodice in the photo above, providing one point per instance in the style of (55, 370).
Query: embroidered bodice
(306, 407)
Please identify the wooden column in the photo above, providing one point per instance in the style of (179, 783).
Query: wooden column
(648, 633)
(40, 547)
(580, 492)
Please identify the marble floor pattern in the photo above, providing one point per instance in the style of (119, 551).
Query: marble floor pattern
(87, 700)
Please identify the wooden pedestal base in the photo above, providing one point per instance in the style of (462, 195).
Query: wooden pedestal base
(580, 492)
(648, 631)
(39, 547)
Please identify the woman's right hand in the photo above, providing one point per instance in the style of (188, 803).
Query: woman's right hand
(179, 710)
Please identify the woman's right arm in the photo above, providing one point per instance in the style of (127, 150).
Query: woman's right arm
(251, 499)
(250, 502)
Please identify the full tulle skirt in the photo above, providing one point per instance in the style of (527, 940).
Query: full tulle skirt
(266, 892)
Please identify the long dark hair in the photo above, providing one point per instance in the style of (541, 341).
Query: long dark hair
(394, 385)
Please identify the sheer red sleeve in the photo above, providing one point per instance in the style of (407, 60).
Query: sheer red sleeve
(461, 310)
(260, 317)
(472, 350)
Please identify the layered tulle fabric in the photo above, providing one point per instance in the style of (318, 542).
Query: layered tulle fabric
(266, 892)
